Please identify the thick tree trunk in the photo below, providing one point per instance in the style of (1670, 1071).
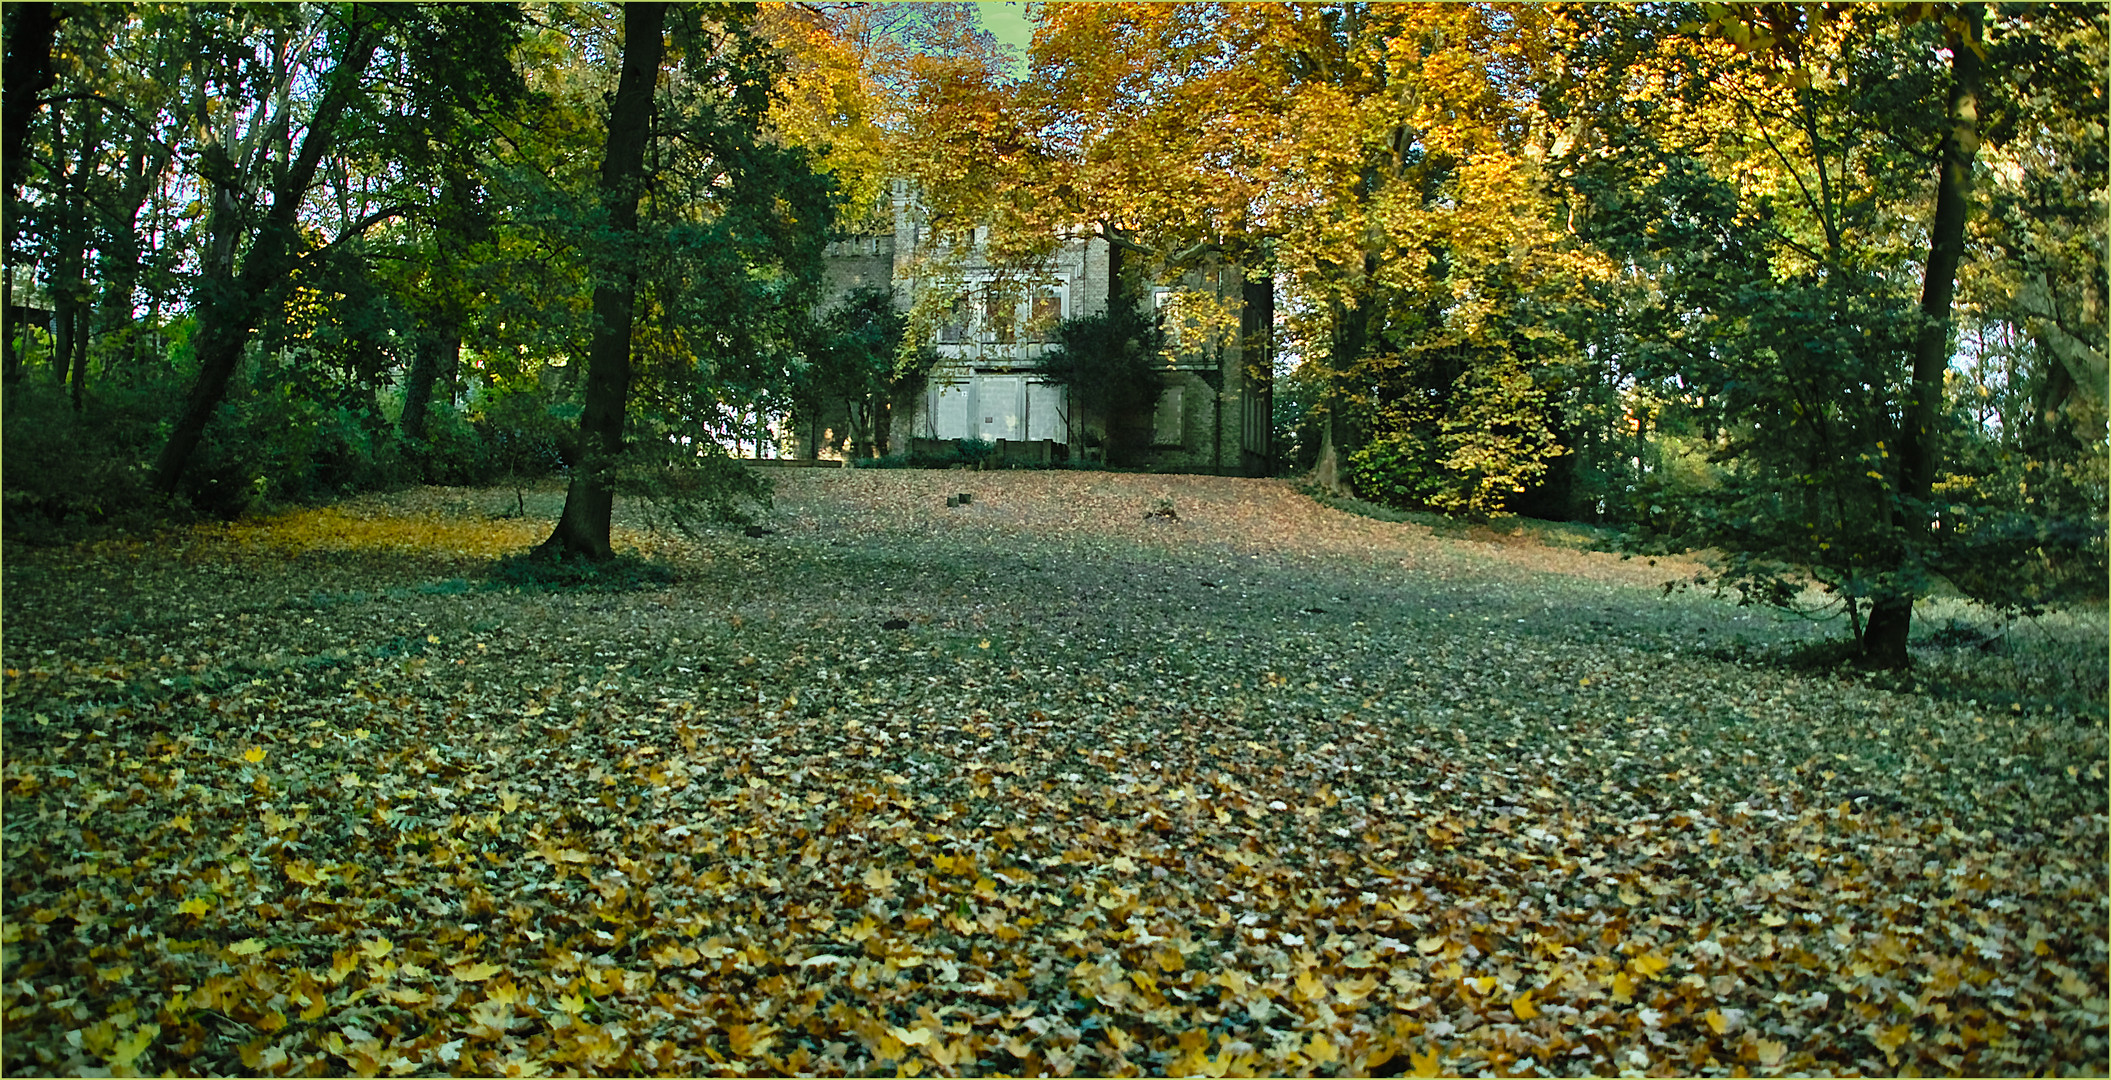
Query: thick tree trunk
(439, 346)
(589, 503)
(230, 305)
(28, 72)
(1920, 448)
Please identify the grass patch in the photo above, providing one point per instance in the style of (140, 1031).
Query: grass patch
(624, 573)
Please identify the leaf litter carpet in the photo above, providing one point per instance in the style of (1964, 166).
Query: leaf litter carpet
(1262, 788)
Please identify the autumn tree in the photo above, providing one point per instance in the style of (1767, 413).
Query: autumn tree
(704, 251)
(1817, 378)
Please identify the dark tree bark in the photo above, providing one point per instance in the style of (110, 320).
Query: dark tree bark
(589, 503)
(30, 30)
(27, 73)
(230, 305)
(75, 357)
(439, 346)
(1919, 444)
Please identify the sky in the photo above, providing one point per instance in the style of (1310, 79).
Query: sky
(1009, 22)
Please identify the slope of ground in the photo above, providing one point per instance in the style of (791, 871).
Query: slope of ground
(1255, 787)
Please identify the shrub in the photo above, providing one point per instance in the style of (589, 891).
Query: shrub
(68, 475)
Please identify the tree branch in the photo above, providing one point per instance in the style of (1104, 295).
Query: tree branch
(358, 227)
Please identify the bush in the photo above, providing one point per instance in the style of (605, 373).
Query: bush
(67, 476)
(1397, 468)
(933, 454)
(455, 452)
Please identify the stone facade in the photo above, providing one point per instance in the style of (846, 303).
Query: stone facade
(1213, 416)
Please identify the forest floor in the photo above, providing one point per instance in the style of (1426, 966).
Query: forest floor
(1261, 788)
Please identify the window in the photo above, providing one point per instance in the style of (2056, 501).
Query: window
(955, 329)
(999, 321)
(1047, 312)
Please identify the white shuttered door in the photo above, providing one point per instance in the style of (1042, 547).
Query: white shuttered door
(1000, 407)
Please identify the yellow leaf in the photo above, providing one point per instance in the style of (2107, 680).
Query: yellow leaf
(1425, 1063)
(377, 948)
(1351, 992)
(746, 1040)
(509, 801)
(1169, 959)
(196, 905)
(254, 755)
(1483, 984)
(1771, 919)
(911, 1038)
(1310, 987)
(1321, 1050)
(879, 879)
(181, 821)
(1891, 1040)
(573, 855)
(2072, 985)
(985, 644)
(1648, 964)
(302, 873)
(1770, 1053)
(1716, 1022)
(128, 1049)
(1429, 944)
(1523, 1007)
(1623, 988)
(476, 972)
(405, 995)
(247, 947)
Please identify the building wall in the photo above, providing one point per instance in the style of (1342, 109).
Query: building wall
(982, 387)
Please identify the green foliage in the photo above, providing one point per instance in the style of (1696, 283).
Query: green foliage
(685, 482)
(1112, 362)
(933, 454)
(558, 572)
(855, 362)
(1457, 429)
(526, 432)
(291, 436)
(67, 475)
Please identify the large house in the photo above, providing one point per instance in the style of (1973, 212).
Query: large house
(1213, 414)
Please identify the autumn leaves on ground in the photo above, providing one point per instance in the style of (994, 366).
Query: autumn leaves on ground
(1253, 788)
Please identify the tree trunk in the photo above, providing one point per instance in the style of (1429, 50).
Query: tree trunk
(589, 502)
(1326, 472)
(437, 347)
(1919, 445)
(28, 72)
(231, 304)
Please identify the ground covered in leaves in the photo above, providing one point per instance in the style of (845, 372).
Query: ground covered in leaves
(1051, 782)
